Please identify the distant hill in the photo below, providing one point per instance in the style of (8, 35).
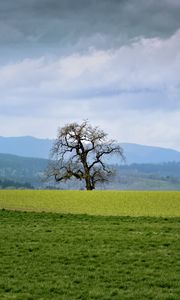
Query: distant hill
(147, 154)
(22, 169)
(26, 146)
(40, 148)
(26, 172)
(19, 162)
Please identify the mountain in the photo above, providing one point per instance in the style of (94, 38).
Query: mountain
(26, 146)
(40, 148)
(147, 154)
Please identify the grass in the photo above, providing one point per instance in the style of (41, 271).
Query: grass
(127, 203)
(89, 245)
(56, 256)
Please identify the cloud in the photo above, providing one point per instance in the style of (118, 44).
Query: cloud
(66, 25)
(143, 75)
(116, 63)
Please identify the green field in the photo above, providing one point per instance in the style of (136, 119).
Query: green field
(113, 203)
(89, 245)
(55, 256)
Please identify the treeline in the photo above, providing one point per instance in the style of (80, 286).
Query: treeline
(10, 184)
(21, 171)
(171, 169)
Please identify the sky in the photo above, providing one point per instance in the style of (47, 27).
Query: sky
(113, 62)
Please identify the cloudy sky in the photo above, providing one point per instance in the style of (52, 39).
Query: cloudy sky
(114, 62)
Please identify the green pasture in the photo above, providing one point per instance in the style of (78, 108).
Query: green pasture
(67, 257)
(112, 203)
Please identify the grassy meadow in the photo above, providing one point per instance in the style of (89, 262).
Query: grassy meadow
(89, 245)
(112, 203)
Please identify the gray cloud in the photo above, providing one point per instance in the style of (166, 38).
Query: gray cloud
(115, 62)
(67, 25)
(143, 76)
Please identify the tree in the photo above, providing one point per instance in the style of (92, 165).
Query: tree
(79, 151)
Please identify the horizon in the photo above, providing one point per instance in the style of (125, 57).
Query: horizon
(115, 63)
(121, 143)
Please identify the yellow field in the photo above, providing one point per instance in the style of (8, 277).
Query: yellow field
(114, 203)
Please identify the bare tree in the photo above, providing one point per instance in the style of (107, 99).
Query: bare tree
(79, 151)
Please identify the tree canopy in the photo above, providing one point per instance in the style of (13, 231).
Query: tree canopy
(79, 152)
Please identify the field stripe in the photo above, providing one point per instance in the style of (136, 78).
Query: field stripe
(114, 203)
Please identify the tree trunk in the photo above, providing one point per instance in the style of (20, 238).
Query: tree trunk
(89, 186)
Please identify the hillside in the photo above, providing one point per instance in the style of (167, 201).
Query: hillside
(22, 169)
(141, 154)
(26, 146)
(40, 148)
(28, 172)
